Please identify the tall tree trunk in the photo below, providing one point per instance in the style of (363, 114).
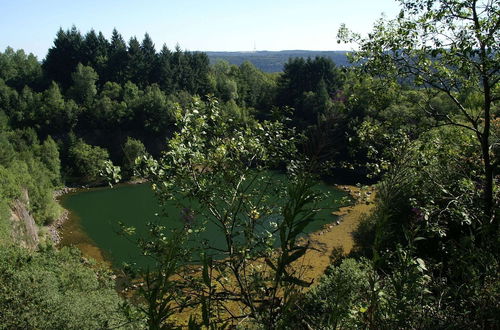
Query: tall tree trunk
(488, 166)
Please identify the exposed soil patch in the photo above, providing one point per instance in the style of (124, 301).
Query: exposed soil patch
(336, 235)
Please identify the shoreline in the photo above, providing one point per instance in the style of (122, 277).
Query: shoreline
(334, 236)
(312, 265)
(322, 243)
(55, 229)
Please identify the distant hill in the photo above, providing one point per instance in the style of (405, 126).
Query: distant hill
(273, 61)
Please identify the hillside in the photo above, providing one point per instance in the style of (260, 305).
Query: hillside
(273, 61)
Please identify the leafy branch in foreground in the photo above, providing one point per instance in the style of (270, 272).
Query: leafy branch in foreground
(219, 172)
(448, 48)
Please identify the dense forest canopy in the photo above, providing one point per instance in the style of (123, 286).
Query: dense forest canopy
(106, 90)
(417, 117)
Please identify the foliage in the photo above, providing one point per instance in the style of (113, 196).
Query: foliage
(167, 288)
(429, 205)
(256, 89)
(46, 289)
(354, 295)
(55, 290)
(118, 62)
(84, 89)
(309, 87)
(241, 201)
(28, 165)
(337, 299)
(155, 110)
(244, 85)
(5, 228)
(448, 47)
(49, 155)
(110, 173)
(88, 160)
(18, 69)
(438, 199)
(132, 149)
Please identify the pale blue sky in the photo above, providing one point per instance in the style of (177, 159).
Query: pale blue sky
(194, 24)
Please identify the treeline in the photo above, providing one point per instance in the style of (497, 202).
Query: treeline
(324, 102)
(107, 100)
(105, 91)
(274, 61)
(119, 61)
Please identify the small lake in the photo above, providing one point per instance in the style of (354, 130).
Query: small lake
(95, 214)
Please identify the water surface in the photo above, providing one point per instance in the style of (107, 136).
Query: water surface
(95, 214)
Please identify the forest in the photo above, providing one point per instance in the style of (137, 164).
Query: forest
(274, 61)
(415, 116)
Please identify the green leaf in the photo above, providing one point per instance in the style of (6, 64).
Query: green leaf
(421, 264)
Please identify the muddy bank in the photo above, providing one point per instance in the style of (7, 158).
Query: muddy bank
(57, 228)
(54, 229)
(63, 191)
(335, 235)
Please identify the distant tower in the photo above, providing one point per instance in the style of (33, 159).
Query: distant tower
(254, 47)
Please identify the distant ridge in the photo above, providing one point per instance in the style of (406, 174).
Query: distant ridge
(273, 61)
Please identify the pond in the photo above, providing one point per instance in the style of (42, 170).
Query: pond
(95, 214)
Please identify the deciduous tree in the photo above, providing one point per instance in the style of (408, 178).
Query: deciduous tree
(446, 47)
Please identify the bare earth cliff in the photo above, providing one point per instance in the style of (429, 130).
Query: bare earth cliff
(24, 229)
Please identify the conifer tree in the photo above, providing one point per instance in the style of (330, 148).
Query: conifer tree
(63, 57)
(149, 60)
(117, 59)
(164, 69)
(135, 61)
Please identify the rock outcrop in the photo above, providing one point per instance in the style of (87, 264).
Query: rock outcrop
(24, 229)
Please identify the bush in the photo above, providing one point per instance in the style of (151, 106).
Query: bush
(88, 161)
(338, 298)
(132, 149)
(55, 290)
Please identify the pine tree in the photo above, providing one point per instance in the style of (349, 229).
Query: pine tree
(149, 60)
(164, 70)
(117, 59)
(63, 57)
(135, 62)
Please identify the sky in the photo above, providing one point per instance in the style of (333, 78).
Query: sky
(217, 25)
